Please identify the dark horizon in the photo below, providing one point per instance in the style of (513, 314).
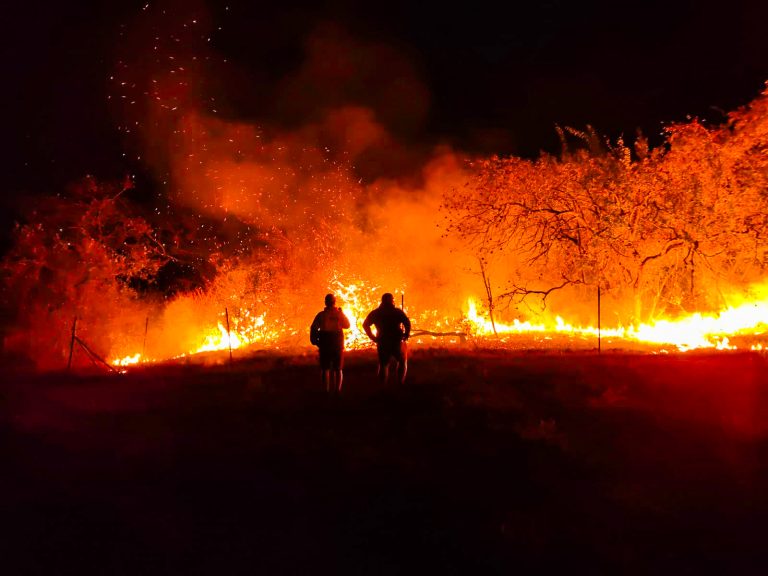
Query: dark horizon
(497, 81)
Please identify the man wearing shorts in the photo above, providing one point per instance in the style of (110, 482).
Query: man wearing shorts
(327, 333)
(392, 330)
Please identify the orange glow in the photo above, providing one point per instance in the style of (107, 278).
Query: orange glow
(270, 331)
(277, 219)
(329, 231)
(692, 332)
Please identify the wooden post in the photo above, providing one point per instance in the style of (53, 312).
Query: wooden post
(144, 347)
(92, 355)
(599, 351)
(72, 343)
(229, 335)
(402, 300)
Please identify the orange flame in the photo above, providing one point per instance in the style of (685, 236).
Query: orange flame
(696, 331)
(692, 332)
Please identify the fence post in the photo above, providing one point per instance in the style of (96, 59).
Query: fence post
(72, 343)
(599, 350)
(229, 335)
(144, 346)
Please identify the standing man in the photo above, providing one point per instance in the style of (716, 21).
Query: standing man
(392, 330)
(327, 333)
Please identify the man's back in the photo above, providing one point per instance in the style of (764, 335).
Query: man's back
(330, 319)
(391, 323)
(392, 330)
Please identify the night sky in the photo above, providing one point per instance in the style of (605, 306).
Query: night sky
(498, 80)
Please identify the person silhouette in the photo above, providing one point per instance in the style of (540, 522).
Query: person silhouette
(392, 331)
(327, 333)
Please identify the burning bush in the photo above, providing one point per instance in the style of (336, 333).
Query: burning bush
(78, 255)
(663, 232)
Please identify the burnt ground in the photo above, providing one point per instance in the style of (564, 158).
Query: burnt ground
(484, 463)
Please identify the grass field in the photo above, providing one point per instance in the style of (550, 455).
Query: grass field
(483, 463)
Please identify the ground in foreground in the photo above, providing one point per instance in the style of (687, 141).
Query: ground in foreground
(484, 463)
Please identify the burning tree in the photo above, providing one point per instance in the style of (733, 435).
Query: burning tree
(78, 255)
(663, 230)
(554, 222)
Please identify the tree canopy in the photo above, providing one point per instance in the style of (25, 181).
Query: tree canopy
(662, 230)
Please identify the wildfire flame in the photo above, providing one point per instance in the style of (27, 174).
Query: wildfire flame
(692, 332)
(127, 361)
(695, 331)
(256, 223)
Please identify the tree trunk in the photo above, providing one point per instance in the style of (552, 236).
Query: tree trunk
(488, 294)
